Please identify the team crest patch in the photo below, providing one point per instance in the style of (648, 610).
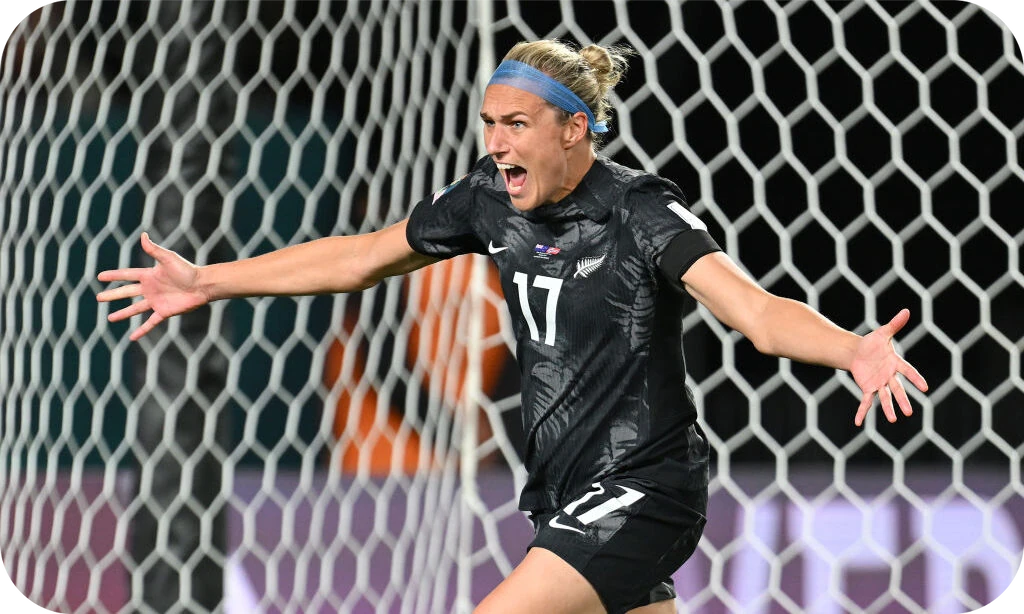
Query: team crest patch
(446, 189)
(586, 266)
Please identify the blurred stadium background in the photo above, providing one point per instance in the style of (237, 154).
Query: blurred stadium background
(359, 453)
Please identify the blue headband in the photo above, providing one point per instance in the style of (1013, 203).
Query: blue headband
(527, 78)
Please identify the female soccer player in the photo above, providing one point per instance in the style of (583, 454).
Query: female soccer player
(596, 260)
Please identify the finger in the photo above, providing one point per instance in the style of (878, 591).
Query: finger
(131, 310)
(897, 322)
(158, 253)
(885, 396)
(121, 275)
(901, 396)
(116, 294)
(912, 375)
(862, 410)
(147, 326)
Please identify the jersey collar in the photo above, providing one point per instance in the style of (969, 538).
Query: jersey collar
(594, 197)
(597, 192)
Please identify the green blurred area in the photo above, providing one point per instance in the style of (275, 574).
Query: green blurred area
(81, 211)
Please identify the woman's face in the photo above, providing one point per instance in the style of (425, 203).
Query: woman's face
(530, 144)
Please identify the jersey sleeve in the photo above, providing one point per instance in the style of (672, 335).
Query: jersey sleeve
(671, 237)
(442, 225)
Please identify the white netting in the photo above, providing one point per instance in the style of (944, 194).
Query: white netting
(861, 156)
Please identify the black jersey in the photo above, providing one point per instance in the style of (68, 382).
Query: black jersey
(592, 285)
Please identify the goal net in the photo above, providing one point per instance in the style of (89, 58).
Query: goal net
(359, 453)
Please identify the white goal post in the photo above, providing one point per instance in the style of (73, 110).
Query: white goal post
(359, 453)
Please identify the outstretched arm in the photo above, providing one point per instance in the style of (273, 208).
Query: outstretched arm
(784, 327)
(174, 286)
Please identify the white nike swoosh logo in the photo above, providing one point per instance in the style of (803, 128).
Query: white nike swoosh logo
(554, 524)
(494, 250)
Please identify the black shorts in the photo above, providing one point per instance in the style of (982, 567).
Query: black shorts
(627, 535)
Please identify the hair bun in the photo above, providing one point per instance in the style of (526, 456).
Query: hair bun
(599, 59)
(608, 64)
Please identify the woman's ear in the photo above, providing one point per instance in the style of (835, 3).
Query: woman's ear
(574, 130)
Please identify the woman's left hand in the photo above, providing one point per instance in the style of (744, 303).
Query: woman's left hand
(875, 367)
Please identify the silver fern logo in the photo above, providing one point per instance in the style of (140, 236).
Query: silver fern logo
(586, 266)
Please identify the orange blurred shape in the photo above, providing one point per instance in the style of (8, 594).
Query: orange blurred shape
(436, 344)
(440, 328)
(359, 432)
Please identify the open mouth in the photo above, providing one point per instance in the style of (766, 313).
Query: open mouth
(515, 177)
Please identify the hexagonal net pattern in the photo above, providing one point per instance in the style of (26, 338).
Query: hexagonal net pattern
(359, 452)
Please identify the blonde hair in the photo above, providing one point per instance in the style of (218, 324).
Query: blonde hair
(590, 73)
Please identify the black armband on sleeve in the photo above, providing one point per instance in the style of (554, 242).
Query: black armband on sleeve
(682, 251)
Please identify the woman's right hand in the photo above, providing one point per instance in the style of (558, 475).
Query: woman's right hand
(168, 288)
